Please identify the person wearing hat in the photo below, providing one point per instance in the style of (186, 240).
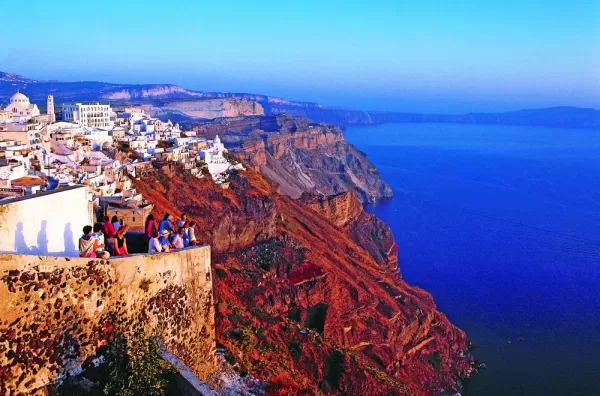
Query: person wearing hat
(164, 240)
(166, 224)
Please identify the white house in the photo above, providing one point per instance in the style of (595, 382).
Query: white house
(93, 115)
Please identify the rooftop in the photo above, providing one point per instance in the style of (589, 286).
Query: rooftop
(41, 194)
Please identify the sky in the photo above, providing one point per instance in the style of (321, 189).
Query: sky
(412, 55)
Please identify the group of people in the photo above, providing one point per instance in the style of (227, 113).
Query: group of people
(165, 236)
(104, 240)
(108, 238)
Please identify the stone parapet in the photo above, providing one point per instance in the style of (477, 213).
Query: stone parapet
(57, 311)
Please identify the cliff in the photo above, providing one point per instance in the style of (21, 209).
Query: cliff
(205, 108)
(347, 212)
(300, 304)
(299, 156)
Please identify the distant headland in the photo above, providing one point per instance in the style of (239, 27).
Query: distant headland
(181, 104)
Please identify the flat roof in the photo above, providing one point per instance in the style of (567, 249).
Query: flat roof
(41, 194)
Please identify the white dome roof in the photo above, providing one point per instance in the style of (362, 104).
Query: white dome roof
(19, 97)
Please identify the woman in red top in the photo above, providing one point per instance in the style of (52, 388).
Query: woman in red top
(150, 228)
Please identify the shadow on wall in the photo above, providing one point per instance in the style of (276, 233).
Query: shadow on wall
(70, 248)
(21, 246)
(42, 238)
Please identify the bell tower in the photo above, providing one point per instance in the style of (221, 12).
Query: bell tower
(50, 109)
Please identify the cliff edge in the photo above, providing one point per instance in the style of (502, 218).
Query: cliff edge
(300, 304)
(300, 156)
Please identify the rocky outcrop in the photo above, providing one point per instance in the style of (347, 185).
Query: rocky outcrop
(315, 160)
(299, 155)
(300, 304)
(206, 108)
(346, 212)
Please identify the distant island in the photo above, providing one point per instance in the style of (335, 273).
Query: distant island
(181, 104)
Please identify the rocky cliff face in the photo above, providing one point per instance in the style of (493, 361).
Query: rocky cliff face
(300, 304)
(346, 212)
(300, 156)
(314, 159)
(206, 108)
(150, 92)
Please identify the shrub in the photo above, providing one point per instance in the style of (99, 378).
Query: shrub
(135, 366)
(247, 339)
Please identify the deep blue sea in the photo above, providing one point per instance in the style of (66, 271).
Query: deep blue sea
(501, 224)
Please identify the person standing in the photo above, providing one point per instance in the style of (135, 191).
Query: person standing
(191, 231)
(166, 224)
(116, 223)
(109, 234)
(149, 229)
(182, 220)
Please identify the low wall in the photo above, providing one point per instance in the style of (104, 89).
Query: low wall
(56, 311)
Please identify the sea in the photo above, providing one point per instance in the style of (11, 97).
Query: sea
(501, 224)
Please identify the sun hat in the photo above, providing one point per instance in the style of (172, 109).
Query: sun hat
(165, 232)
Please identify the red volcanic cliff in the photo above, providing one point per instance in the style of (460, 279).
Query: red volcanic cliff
(301, 304)
(346, 212)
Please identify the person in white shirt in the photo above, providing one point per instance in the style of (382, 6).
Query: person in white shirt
(191, 231)
(178, 239)
(154, 245)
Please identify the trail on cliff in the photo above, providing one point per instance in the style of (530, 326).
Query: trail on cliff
(300, 303)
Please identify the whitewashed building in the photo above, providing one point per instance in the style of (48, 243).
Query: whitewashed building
(92, 115)
(20, 109)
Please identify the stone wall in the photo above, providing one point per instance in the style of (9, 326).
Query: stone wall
(47, 223)
(56, 311)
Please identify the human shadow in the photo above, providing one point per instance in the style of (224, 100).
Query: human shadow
(68, 237)
(42, 238)
(21, 246)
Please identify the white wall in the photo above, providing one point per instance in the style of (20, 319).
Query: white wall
(46, 224)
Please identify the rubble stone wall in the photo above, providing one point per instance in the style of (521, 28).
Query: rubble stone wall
(57, 311)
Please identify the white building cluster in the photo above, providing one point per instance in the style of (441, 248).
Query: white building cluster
(94, 146)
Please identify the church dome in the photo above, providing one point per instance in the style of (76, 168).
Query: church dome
(19, 98)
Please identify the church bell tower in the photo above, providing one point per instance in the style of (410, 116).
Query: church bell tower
(50, 109)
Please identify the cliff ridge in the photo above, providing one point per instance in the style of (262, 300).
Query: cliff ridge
(300, 304)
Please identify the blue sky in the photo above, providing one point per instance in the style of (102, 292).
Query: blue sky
(444, 56)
